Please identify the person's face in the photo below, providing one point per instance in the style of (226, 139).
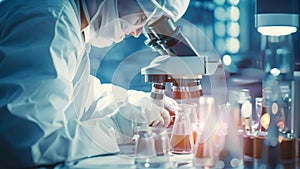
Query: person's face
(132, 17)
(133, 24)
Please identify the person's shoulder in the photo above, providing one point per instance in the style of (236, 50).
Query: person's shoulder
(38, 8)
(65, 12)
(23, 10)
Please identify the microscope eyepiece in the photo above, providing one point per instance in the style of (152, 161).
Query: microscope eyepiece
(167, 38)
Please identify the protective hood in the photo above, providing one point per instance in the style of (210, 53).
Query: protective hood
(104, 27)
(171, 8)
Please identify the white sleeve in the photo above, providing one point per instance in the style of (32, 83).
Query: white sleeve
(39, 123)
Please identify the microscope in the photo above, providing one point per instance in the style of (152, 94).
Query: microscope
(179, 64)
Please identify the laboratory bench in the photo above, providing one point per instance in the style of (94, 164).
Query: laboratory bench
(126, 159)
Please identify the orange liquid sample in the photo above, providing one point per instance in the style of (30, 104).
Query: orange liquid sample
(199, 152)
(181, 143)
(194, 136)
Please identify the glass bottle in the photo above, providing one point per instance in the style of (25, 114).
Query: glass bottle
(241, 107)
(287, 110)
(245, 106)
(278, 57)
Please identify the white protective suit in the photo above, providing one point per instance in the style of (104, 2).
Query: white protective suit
(51, 109)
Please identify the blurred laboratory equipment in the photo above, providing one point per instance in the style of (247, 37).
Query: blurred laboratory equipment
(258, 112)
(278, 57)
(182, 138)
(276, 17)
(210, 140)
(207, 117)
(288, 125)
(245, 109)
(278, 54)
(205, 155)
(277, 23)
(287, 150)
(265, 116)
(241, 128)
(273, 147)
(241, 106)
(278, 64)
(277, 120)
(248, 149)
(271, 106)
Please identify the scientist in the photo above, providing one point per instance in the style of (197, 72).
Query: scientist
(51, 108)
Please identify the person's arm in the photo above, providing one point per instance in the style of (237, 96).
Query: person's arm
(39, 118)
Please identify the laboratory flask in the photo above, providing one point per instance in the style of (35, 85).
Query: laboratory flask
(181, 137)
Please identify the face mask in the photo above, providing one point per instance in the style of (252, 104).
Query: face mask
(108, 34)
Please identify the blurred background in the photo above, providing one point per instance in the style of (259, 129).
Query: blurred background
(229, 26)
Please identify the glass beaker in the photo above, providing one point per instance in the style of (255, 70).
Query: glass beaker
(144, 146)
(182, 138)
(152, 148)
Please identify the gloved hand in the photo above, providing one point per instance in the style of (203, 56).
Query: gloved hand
(125, 119)
(169, 103)
(156, 111)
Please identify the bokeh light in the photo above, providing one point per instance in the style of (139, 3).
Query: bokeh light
(233, 45)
